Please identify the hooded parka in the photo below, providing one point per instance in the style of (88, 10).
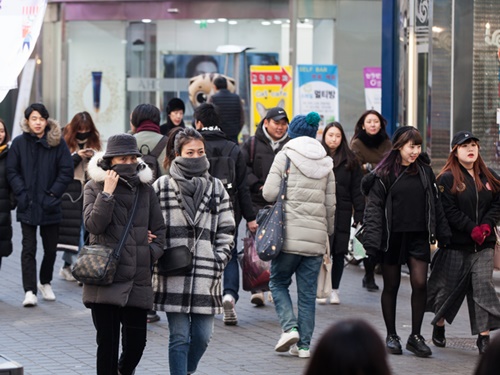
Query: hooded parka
(309, 198)
(39, 171)
(105, 217)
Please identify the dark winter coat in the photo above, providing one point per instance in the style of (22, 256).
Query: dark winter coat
(105, 218)
(258, 169)
(169, 125)
(469, 208)
(39, 171)
(350, 203)
(372, 153)
(230, 110)
(216, 141)
(6, 204)
(210, 236)
(377, 225)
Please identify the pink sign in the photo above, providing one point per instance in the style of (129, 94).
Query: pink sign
(373, 77)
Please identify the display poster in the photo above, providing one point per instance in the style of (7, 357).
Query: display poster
(271, 86)
(318, 92)
(373, 88)
(21, 21)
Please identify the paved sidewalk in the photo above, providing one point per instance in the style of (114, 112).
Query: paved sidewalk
(59, 338)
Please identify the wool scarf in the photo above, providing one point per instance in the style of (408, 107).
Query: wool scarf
(191, 174)
(372, 141)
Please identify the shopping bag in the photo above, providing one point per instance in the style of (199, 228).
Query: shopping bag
(496, 256)
(358, 251)
(325, 278)
(256, 272)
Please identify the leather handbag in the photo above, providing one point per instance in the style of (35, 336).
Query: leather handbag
(496, 256)
(325, 275)
(96, 264)
(271, 220)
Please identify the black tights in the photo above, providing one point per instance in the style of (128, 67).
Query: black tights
(392, 279)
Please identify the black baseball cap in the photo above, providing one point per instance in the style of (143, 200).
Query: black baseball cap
(462, 137)
(276, 114)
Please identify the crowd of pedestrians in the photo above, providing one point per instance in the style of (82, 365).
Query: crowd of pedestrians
(170, 187)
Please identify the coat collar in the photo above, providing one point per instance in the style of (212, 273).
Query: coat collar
(52, 136)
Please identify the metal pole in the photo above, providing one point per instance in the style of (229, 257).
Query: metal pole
(63, 119)
(292, 4)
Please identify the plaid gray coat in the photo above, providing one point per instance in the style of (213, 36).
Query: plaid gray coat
(199, 292)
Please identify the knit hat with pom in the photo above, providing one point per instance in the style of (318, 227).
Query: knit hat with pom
(304, 125)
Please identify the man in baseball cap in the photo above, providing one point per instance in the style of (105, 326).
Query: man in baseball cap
(276, 114)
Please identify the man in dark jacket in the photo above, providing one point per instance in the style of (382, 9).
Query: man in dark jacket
(39, 169)
(219, 146)
(230, 109)
(259, 152)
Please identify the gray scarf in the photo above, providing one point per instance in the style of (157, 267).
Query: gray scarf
(191, 174)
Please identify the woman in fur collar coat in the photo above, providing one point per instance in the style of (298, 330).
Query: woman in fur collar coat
(197, 213)
(116, 178)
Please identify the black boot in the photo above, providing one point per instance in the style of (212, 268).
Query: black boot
(483, 341)
(438, 337)
(416, 344)
(369, 283)
(393, 344)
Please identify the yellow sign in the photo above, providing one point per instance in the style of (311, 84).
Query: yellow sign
(271, 86)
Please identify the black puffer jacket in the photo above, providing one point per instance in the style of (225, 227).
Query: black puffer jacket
(350, 203)
(6, 204)
(468, 209)
(39, 171)
(377, 225)
(105, 218)
(216, 141)
(263, 157)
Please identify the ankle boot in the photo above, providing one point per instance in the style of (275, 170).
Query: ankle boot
(483, 341)
(369, 283)
(438, 337)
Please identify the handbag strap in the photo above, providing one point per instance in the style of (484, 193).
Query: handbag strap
(118, 249)
(284, 181)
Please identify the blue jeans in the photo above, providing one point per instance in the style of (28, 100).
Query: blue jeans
(306, 271)
(231, 275)
(188, 340)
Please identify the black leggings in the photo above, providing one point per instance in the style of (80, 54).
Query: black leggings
(392, 279)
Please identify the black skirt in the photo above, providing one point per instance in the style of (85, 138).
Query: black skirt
(402, 245)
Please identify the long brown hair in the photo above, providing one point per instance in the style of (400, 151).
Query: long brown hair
(361, 122)
(82, 121)
(453, 165)
(7, 138)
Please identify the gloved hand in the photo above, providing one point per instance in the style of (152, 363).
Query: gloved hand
(477, 235)
(486, 229)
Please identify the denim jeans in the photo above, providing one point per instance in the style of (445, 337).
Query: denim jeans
(107, 320)
(306, 271)
(69, 257)
(231, 276)
(49, 234)
(188, 341)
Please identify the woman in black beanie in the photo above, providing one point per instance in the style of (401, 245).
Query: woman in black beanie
(175, 115)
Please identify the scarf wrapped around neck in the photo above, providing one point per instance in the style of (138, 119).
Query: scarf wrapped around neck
(191, 174)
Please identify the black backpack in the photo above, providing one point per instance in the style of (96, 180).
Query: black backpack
(150, 157)
(223, 167)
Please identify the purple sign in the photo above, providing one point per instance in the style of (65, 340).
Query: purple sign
(372, 77)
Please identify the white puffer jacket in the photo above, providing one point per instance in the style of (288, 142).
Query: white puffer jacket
(310, 196)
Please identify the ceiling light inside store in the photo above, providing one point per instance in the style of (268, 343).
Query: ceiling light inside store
(233, 22)
(146, 20)
(222, 19)
(197, 22)
(436, 29)
(211, 21)
(265, 23)
(277, 22)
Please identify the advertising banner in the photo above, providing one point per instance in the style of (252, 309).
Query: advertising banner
(21, 21)
(271, 86)
(373, 88)
(318, 92)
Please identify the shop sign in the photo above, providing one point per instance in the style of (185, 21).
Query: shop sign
(373, 88)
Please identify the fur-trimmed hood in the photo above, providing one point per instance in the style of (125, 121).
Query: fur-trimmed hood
(309, 156)
(53, 135)
(98, 174)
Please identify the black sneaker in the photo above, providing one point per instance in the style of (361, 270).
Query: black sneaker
(438, 337)
(393, 343)
(416, 344)
(483, 341)
(369, 284)
(152, 316)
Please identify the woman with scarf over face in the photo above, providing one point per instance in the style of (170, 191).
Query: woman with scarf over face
(471, 201)
(116, 178)
(370, 143)
(197, 213)
(83, 140)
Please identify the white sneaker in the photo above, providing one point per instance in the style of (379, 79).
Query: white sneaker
(65, 273)
(47, 293)
(299, 352)
(286, 340)
(258, 299)
(321, 301)
(270, 297)
(30, 299)
(334, 297)
(229, 314)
